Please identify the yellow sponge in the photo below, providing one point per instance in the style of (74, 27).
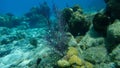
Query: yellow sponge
(75, 60)
(88, 64)
(72, 51)
(63, 63)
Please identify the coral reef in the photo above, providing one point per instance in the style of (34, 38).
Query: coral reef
(113, 7)
(9, 20)
(96, 54)
(71, 40)
(116, 55)
(101, 22)
(106, 17)
(75, 19)
(105, 65)
(113, 32)
(38, 16)
(86, 43)
(35, 19)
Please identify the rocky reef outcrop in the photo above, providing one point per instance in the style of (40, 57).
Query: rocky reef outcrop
(9, 20)
(75, 19)
(100, 45)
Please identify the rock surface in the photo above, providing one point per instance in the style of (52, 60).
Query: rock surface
(113, 32)
(18, 52)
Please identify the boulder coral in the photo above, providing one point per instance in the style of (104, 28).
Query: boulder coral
(78, 25)
(114, 7)
(66, 14)
(106, 17)
(77, 8)
(101, 22)
(75, 19)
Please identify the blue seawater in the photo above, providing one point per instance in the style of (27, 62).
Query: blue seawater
(19, 7)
